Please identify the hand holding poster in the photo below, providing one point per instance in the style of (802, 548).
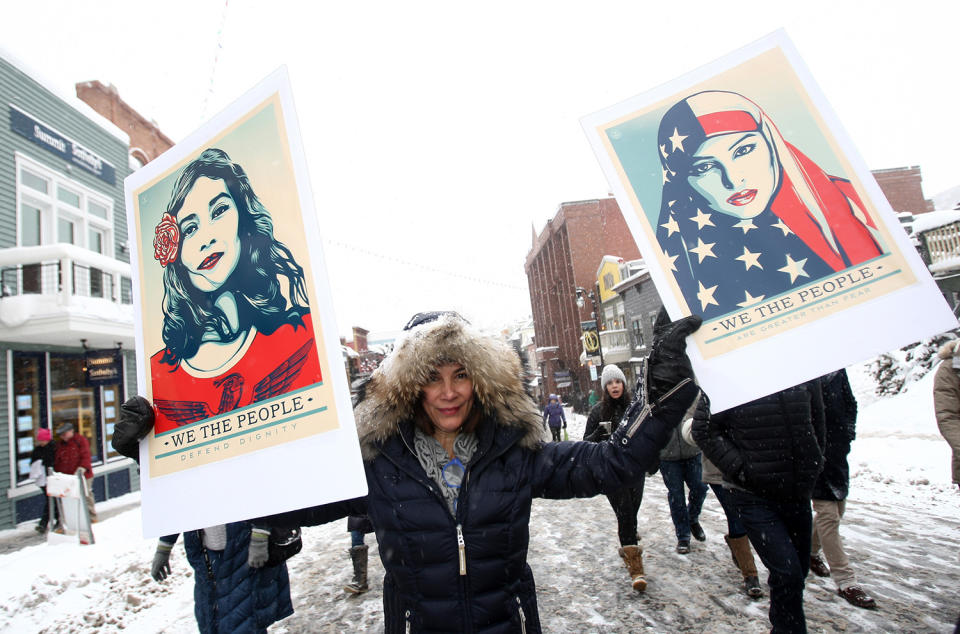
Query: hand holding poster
(754, 212)
(237, 344)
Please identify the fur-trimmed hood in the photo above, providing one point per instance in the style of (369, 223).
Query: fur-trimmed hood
(390, 395)
(948, 349)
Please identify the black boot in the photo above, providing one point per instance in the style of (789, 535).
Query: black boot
(358, 554)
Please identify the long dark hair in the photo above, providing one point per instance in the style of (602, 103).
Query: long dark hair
(608, 404)
(189, 312)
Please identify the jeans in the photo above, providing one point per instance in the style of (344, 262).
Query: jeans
(780, 532)
(675, 473)
(356, 538)
(734, 525)
(626, 505)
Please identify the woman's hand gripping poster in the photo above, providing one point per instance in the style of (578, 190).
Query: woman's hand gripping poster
(238, 349)
(754, 211)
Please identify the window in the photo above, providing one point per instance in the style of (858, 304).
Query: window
(56, 209)
(49, 200)
(29, 407)
(637, 328)
(50, 389)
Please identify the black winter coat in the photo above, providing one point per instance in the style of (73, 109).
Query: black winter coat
(46, 454)
(593, 432)
(469, 573)
(770, 446)
(840, 409)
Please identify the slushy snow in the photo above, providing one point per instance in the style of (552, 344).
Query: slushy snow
(902, 532)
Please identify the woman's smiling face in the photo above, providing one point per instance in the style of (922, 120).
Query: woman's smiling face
(209, 238)
(734, 173)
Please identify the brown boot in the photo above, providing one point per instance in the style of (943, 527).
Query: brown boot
(743, 557)
(633, 558)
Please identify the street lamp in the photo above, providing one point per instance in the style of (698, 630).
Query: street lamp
(583, 293)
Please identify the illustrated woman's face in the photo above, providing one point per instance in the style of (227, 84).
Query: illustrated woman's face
(735, 173)
(210, 243)
(448, 396)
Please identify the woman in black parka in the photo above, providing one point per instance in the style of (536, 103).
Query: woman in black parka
(454, 457)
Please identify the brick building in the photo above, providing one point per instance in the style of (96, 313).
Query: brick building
(903, 188)
(563, 257)
(147, 142)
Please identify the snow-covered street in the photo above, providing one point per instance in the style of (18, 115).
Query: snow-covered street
(902, 531)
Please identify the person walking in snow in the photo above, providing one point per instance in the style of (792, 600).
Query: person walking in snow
(679, 466)
(554, 417)
(42, 458)
(604, 419)
(454, 455)
(769, 451)
(736, 537)
(235, 587)
(830, 492)
(73, 456)
(946, 400)
(358, 526)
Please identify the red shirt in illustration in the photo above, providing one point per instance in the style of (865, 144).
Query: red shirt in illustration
(270, 366)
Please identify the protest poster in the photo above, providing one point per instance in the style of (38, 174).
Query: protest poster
(237, 345)
(753, 210)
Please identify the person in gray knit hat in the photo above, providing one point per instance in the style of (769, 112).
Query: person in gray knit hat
(602, 421)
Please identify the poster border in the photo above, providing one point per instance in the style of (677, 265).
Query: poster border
(306, 481)
(741, 375)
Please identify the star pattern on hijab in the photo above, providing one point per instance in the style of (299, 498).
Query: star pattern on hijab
(716, 273)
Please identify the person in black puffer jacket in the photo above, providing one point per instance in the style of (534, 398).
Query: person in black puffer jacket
(770, 453)
(454, 455)
(603, 420)
(830, 492)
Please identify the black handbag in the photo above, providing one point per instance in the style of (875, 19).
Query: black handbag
(284, 543)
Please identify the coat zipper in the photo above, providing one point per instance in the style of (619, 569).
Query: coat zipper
(462, 549)
(407, 618)
(523, 617)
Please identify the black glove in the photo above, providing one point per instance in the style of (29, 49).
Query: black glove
(136, 421)
(668, 362)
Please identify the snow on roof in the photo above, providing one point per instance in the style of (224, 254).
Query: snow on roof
(934, 219)
(70, 100)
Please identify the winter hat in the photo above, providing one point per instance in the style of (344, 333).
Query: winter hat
(43, 434)
(611, 372)
(62, 429)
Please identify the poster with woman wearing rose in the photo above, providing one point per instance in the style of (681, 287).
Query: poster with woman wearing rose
(238, 349)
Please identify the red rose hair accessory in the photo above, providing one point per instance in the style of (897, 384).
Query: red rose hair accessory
(166, 244)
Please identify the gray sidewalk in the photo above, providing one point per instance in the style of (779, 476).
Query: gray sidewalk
(24, 534)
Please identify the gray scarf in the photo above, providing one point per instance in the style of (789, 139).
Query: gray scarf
(433, 458)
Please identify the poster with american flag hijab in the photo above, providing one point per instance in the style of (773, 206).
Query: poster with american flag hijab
(754, 211)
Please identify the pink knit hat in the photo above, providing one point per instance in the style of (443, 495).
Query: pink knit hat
(43, 434)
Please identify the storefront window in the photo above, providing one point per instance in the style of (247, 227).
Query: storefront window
(111, 411)
(71, 401)
(92, 410)
(29, 407)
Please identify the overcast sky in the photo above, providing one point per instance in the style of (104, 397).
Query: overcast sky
(438, 133)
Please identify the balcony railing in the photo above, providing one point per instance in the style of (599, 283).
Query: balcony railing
(943, 247)
(63, 270)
